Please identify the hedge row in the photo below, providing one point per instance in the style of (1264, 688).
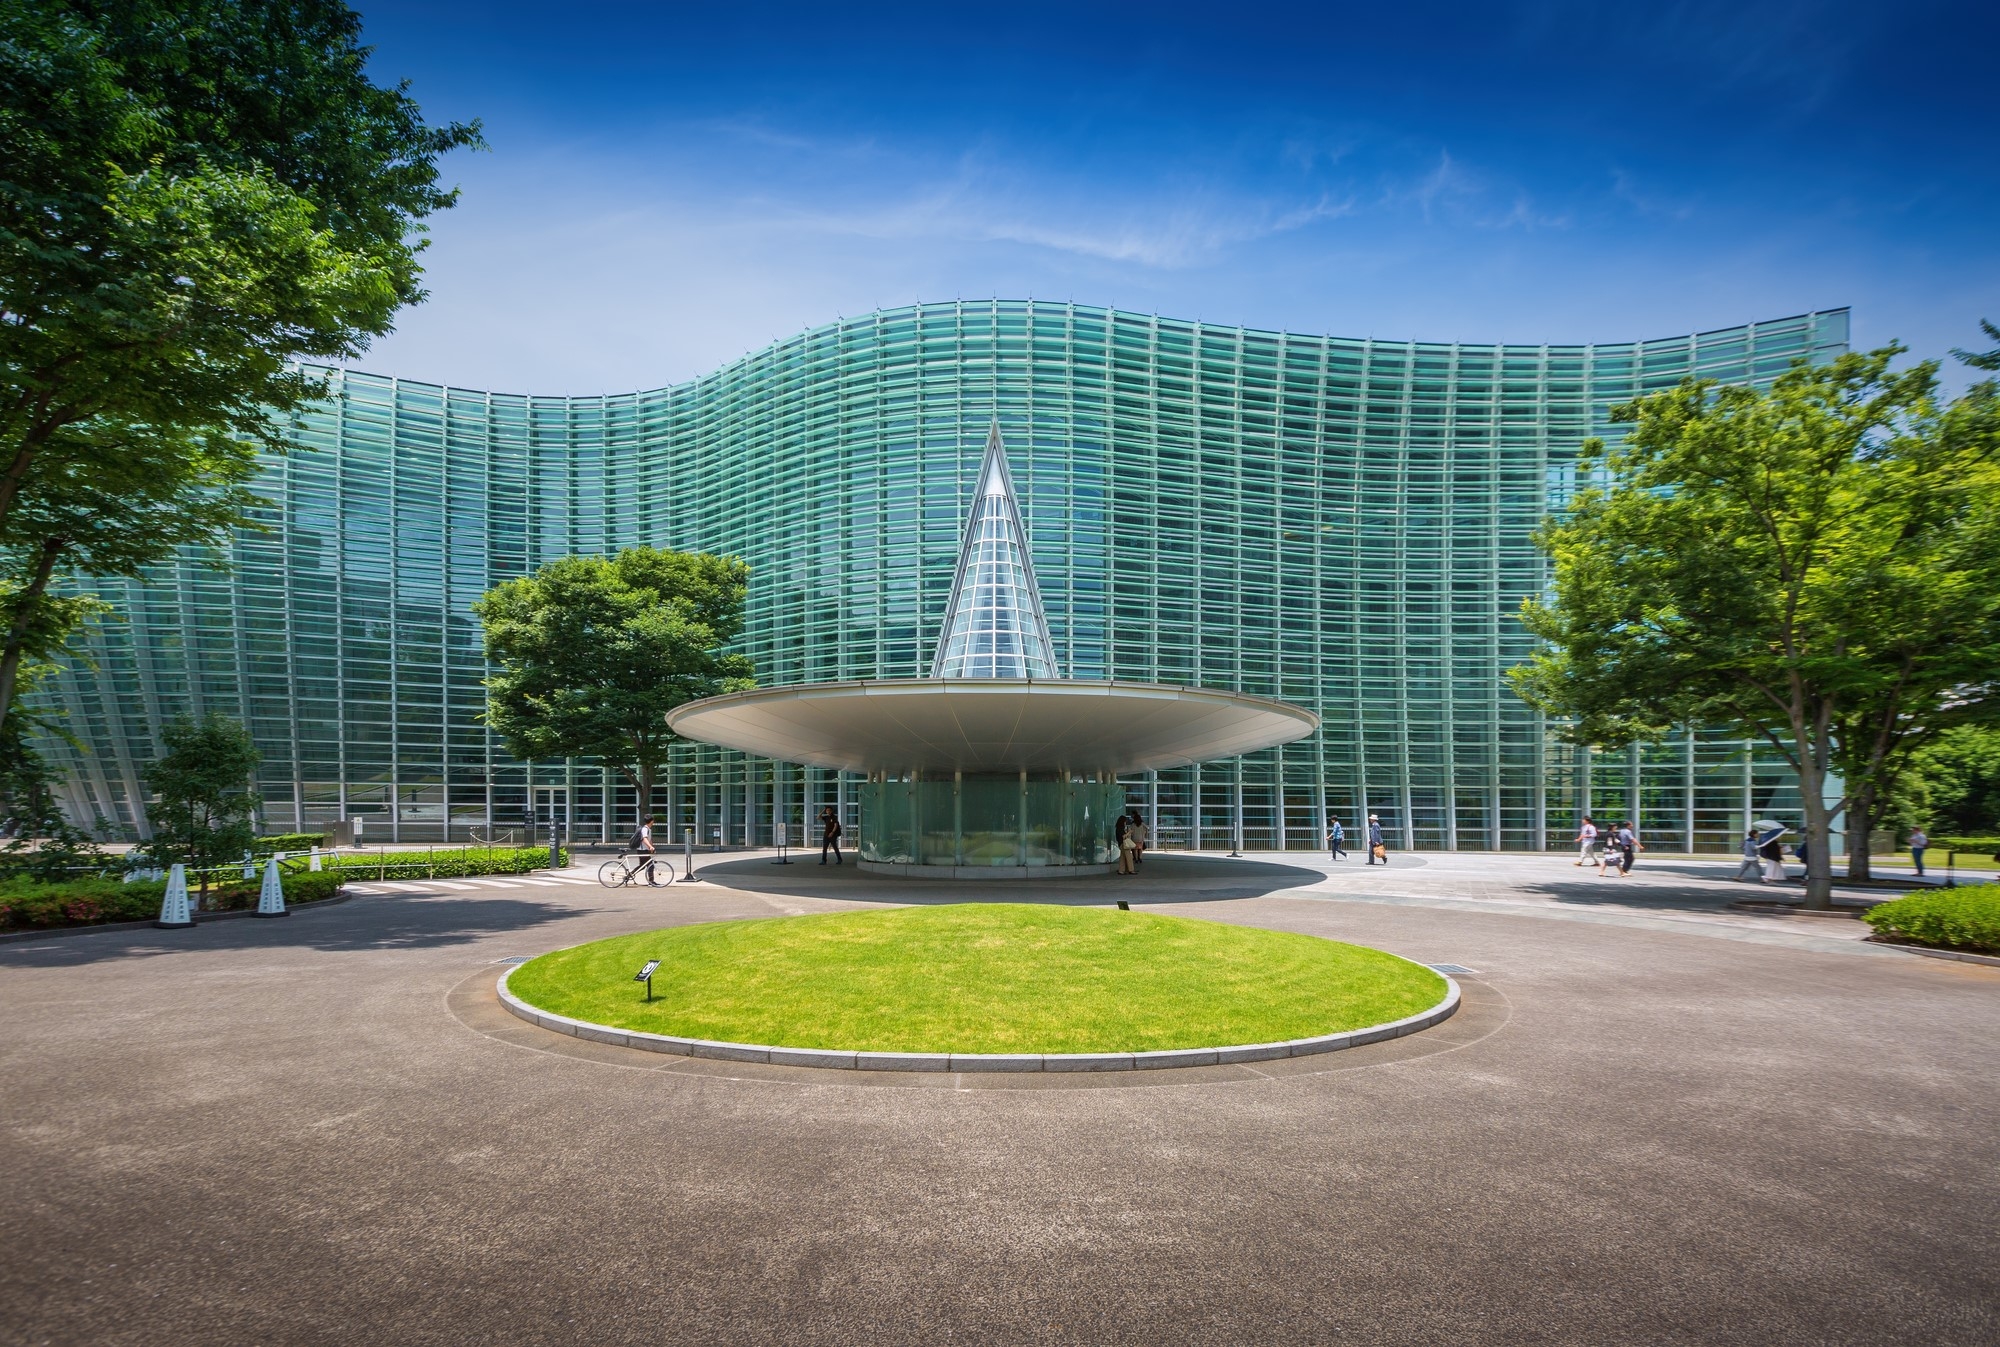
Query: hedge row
(1984, 846)
(1963, 919)
(288, 842)
(93, 900)
(441, 864)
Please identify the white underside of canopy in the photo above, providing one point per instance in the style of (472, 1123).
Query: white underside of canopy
(992, 725)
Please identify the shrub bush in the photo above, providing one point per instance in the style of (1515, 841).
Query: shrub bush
(1964, 919)
(90, 900)
(442, 864)
(289, 842)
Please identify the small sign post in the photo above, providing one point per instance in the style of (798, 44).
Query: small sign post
(645, 975)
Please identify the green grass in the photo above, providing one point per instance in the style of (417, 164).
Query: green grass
(983, 977)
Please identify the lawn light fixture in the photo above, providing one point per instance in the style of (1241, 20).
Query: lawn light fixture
(1124, 906)
(645, 975)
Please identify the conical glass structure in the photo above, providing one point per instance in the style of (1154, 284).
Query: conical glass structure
(994, 627)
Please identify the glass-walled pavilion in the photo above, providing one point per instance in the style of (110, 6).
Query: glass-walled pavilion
(1340, 524)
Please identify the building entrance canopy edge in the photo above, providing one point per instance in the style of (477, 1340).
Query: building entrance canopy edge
(992, 725)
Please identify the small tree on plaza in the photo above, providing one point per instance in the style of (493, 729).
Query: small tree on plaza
(591, 653)
(203, 801)
(1816, 566)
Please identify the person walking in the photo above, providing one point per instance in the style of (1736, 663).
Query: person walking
(829, 834)
(1752, 862)
(1376, 850)
(1137, 833)
(1773, 853)
(1335, 835)
(1607, 851)
(1629, 847)
(642, 842)
(1919, 841)
(1586, 841)
(1127, 845)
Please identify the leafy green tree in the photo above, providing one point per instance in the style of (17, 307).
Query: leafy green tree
(1816, 566)
(203, 802)
(41, 842)
(1989, 360)
(127, 514)
(194, 194)
(1952, 787)
(591, 653)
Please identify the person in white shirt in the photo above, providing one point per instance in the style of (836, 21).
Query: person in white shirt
(1586, 840)
(1918, 841)
(642, 842)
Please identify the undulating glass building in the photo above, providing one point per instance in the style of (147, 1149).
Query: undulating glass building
(1341, 524)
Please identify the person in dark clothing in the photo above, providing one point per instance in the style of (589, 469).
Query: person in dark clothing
(1773, 852)
(1376, 849)
(829, 834)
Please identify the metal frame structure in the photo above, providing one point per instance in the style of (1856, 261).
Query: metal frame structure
(1341, 524)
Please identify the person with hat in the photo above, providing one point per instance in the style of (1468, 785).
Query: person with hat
(1376, 850)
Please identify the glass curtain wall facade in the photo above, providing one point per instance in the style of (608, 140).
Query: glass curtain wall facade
(1341, 524)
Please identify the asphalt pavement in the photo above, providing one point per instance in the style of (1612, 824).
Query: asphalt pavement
(1656, 1120)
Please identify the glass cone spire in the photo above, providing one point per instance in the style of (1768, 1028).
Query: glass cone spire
(994, 627)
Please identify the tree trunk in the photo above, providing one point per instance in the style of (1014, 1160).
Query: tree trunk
(1860, 819)
(24, 606)
(1819, 857)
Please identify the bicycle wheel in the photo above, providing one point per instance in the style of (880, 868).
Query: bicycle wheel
(664, 873)
(613, 875)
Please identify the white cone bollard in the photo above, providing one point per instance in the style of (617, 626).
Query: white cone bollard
(271, 900)
(315, 860)
(249, 866)
(174, 907)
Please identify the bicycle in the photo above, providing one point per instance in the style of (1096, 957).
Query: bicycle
(616, 874)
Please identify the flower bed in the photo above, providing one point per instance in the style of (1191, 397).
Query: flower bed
(1965, 919)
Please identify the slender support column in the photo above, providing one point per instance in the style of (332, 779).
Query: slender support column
(1021, 823)
(1687, 786)
(1236, 811)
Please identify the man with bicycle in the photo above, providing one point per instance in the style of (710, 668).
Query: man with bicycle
(642, 842)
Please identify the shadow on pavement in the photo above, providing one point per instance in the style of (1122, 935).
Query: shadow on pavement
(1165, 877)
(368, 922)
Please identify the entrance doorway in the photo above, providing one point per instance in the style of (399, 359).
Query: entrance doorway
(551, 811)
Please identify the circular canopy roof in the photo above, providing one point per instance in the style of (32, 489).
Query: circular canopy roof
(992, 724)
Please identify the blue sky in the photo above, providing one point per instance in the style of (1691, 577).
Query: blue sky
(671, 186)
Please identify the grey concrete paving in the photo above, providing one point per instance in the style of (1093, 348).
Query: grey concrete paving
(1653, 1122)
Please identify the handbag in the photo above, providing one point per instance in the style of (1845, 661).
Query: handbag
(1381, 852)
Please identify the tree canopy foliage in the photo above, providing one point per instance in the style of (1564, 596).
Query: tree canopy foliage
(1816, 565)
(591, 653)
(194, 195)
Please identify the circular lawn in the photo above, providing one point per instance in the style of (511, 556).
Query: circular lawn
(980, 978)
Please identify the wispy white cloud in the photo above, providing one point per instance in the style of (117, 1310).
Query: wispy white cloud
(1452, 192)
(1645, 201)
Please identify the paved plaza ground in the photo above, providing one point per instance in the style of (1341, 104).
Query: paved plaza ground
(1655, 1120)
